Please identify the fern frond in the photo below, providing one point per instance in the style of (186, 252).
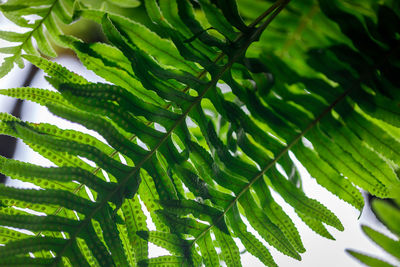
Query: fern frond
(197, 156)
(44, 30)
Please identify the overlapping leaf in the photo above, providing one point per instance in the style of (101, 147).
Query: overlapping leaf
(339, 117)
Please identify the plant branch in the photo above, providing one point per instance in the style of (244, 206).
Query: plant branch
(266, 13)
(295, 140)
(275, 160)
(253, 37)
(200, 75)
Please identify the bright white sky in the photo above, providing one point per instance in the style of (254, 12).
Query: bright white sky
(320, 251)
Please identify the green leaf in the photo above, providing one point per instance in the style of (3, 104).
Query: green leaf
(278, 216)
(25, 261)
(12, 36)
(145, 39)
(208, 251)
(302, 203)
(181, 225)
(43, 43)
(250, 242)
(388, 214)
(115, 67)
(40, 96)
(201, 103)
(126, 4)
(315, 225)
(269, 231)
(343, 162)
(368, 260)
(328, 177)
(48, 12)
(53, 178)
(135, 220)
(230, 252)
(56, 70)
(388, 244)
(231, 13)
(172, 243)
(201, 211)
(7, 235)
(52, 197)
(168, 261)
(217, 20)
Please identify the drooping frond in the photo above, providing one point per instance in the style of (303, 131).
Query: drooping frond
(205, 115)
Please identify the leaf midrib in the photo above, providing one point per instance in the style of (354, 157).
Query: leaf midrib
(181, 119)
(296, 139)
(29, 36)
(344, 189)
(340, 160)
(275, 160)
(158, 48)
(200, 75)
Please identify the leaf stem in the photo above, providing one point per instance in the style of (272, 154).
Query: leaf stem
(275, 160)
(254, 36)
(297, 138)
(267, 12)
